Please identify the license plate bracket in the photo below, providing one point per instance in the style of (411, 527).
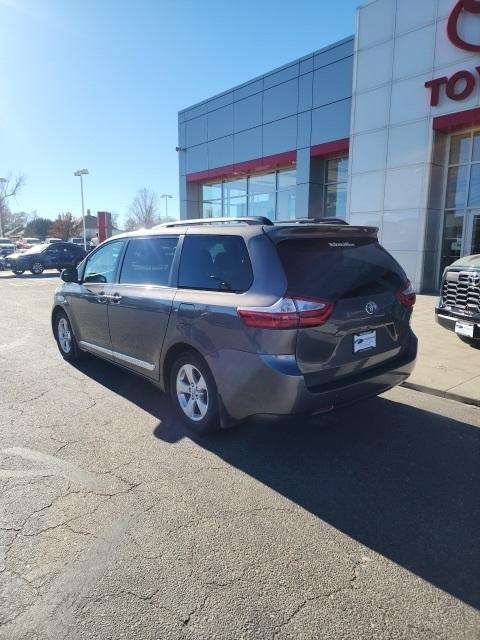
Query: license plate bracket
(465, 329)
(365, 341)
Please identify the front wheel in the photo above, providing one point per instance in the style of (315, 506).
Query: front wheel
(194, 393)
(65, 339)
(37, 268)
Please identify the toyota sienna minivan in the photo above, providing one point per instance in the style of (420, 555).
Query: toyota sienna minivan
(237, 318)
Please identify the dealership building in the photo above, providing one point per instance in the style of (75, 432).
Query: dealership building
(382, 129)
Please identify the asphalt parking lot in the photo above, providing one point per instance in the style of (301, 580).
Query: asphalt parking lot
(116, 523)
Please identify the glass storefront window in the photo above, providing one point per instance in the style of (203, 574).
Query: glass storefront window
(262, 204)
(286, 201)
(337, 170)
(475, 247)
(235, 188)
(287, 179)
(270, 194)
(476, 148)
(212, 209)
(457, 187)
(335, 190)
(452, 237)
(336, 200)
(460, 149)
(212, 191)
(474, 192)
(236, 207)
(262, 184)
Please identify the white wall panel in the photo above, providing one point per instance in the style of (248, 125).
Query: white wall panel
(414, 52)
(401, 230)
(404, 188)
(376, 22)
(410, 100)
(374, 66)
(368, 151)
(408, 143)
(371, 109)
(415, 13)
(366, 192)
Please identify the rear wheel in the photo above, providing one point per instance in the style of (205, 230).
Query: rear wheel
(66, 342)
(194, 393)
(37, 268)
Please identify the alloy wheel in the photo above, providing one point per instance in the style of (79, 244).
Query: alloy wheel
(64, 335)
(192, 392)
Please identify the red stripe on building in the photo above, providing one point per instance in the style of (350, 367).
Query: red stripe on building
(331, 148)
(460, 120)
(277, 161)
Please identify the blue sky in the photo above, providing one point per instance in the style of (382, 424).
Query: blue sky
(98, 84)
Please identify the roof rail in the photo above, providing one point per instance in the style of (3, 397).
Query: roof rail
(318, 221)
(250, 220)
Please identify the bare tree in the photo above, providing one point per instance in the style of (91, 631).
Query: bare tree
(63, 227)
(143, 212)
(10, 187)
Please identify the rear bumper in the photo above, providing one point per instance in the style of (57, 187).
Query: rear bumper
(251, 385)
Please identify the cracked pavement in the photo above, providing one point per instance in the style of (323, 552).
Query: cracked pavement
(116, 523)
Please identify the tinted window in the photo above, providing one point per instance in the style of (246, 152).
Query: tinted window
(318, 268)
(218, 263)
(148, 261)
(102, 265)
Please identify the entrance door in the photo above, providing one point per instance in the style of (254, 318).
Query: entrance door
(461, 231)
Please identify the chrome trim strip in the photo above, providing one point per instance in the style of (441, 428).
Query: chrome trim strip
(115, 354)
(135, 361)
(93, 347)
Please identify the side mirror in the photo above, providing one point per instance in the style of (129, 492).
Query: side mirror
(70, 275)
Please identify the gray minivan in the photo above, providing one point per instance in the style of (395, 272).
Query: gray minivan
(243, 317)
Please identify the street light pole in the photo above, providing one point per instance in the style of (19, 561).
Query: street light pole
(80, 173)
(166, 197)
(3, 181)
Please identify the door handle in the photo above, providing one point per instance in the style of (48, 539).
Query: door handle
(116, 298)
(102, 297)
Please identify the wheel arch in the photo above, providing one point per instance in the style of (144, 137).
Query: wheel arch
(171, 355)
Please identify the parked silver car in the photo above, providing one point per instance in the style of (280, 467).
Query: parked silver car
(236, 318)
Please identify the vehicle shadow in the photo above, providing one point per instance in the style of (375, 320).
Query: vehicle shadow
(400, 480)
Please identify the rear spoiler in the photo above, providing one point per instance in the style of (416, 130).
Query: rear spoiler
(278, 233)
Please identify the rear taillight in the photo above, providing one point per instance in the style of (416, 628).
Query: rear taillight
(290, 312)
(406, 295)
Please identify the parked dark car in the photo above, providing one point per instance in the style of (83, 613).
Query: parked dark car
(459, 306)
(237, 318)
(58, 255)
(6, 247)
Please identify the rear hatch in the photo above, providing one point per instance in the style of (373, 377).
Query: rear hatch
(371, 301)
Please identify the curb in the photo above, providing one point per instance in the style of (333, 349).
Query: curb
(421, 388)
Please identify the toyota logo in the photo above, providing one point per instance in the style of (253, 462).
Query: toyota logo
(469, 6)
(474, 279)
(371, 308)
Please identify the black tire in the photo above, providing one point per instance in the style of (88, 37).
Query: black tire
(18, 272)
(72, 352)
(475, 344)
(37, 268)
(210, 421)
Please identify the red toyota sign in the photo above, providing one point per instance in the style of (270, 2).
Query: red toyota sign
(470, 6)
(462, 84)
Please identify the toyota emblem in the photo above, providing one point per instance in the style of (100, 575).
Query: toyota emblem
(371, 308)
(474, 279)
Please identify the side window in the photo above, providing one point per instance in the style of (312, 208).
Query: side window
(215, 263)
(148, 261)
(101, 266)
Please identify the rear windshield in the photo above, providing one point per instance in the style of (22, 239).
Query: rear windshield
(337, 268)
